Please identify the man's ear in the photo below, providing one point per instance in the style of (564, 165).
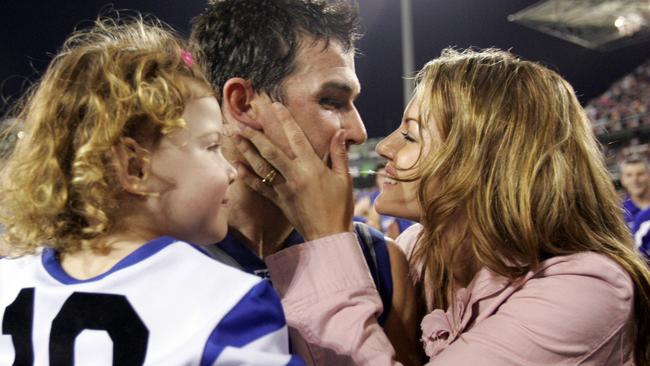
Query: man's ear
(238, 95)
(132, 165)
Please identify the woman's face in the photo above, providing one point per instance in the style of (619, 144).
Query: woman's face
(402, 149)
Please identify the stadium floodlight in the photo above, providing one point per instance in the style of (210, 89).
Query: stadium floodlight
(596, 24)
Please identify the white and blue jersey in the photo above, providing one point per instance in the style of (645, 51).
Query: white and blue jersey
(167, 303)
(233, 252)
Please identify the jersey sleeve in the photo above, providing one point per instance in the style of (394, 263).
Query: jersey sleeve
(253, 333)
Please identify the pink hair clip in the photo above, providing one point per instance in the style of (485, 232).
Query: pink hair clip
(187, 58)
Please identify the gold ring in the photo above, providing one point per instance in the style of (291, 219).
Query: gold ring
(268, 179)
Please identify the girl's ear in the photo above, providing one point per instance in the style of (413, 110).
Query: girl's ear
(237, 97)
(133, 166)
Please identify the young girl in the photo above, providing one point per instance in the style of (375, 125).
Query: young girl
(522, 252)
(119, 169)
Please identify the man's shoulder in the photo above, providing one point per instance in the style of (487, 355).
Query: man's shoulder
(221, 256)
(629, 205)
(642, 216)
(367, 232)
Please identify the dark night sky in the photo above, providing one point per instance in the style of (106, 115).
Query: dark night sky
(33, 30)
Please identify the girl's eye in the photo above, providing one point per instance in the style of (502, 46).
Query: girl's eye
(214, 147)
(407, 136)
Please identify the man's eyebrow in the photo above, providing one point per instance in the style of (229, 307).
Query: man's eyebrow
(339, 87)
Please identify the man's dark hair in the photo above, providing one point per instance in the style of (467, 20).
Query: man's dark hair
(258, 40)
(633, 160)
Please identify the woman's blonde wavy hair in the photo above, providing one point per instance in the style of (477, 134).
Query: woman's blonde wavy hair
(119, 78)
(519, 162)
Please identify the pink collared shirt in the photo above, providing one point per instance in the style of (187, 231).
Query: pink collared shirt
(574, 310)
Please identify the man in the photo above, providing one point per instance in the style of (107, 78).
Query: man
(635, 178)
(300, 53)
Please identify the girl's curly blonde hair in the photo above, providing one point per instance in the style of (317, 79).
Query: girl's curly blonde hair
(119, 78)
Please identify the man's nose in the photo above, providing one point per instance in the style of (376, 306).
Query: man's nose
(355, 131)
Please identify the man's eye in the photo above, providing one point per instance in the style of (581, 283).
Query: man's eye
(331, 103)
(407, 136)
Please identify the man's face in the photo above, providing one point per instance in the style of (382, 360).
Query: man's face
(320, 95)
(635, 178)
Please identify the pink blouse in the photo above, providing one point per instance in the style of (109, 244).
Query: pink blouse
(574, 310)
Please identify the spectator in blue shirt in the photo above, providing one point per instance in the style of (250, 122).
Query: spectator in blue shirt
(635, 178)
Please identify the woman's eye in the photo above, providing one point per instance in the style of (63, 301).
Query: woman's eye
(214, 147)
(407, 136)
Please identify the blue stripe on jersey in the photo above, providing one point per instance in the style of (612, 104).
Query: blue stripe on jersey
(385, 279)
(53, 267)
(379, 266)
(257, 314)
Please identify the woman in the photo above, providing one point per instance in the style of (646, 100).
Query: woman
(521, 237)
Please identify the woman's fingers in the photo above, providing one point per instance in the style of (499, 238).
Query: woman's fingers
(253, 181)
(262, 157)
(316, 199)
(296, 154)
(298, 142)
(339, 153)
(270, 125)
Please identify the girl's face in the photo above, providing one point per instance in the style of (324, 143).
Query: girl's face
(402, 149)
(193, 177)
